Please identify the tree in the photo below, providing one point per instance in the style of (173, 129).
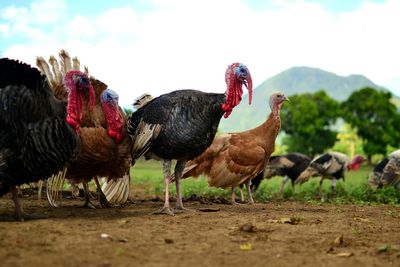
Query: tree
(375, 119)
(307, 121)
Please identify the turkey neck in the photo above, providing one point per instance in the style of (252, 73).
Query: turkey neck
(269, 129)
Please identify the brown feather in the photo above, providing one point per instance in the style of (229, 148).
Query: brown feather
(66, 62)
(100, 156)
(235, 158)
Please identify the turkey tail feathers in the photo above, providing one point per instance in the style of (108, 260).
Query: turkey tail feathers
(53, 188)
(117, 191)
(66, 62)
(45, 69)
(76, 64)
(55, 76)
(142, 101)
(56, 70)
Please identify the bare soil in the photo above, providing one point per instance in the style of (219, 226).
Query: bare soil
(280, 233)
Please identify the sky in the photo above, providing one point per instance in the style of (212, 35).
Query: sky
(157, 46)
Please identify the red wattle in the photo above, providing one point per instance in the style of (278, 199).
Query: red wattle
(114, 122)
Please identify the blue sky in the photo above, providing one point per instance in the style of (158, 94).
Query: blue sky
(157, 46)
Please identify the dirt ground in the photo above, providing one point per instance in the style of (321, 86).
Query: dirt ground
(279, 233)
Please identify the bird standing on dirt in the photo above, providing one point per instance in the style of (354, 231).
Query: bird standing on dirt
(105, 145)
(36, 137)
(182, 124)
(386, 172)
(235, 158)
(330, 165)
(289, 166)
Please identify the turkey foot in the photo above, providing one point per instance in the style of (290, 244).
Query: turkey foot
(21, 217)
(89, 205)
(182, 210)
(103, 201)
(164, 211)
(24, 216)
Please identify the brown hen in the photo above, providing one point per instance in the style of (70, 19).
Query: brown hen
(235, 158)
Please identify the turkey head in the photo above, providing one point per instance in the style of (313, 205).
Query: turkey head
(275, 102)
(79, 88)
(236, 76)
(109, 101)
(355, 163)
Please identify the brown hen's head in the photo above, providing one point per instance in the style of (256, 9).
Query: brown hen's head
(275, 102)
(236, 76)
(109, 100)
(78, 87)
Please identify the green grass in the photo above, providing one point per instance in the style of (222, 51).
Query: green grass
(147, 175)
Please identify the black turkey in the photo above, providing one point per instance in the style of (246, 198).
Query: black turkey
(35, 139)
(289, 166)
(180, 125)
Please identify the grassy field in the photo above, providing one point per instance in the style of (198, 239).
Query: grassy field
(147, 175)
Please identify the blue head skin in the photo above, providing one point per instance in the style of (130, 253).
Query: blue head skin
(242, 73)
(109, 96)
(82, 82)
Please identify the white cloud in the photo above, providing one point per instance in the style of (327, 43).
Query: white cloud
(188, 44)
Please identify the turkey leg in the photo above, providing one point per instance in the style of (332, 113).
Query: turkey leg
(167, 177)
(249, 194)
(20, 215)
(102, 198)
(88, 203)
(180, 166)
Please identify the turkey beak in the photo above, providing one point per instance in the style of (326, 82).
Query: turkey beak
(286, 99)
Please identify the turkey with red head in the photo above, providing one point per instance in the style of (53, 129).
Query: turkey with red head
(180, 125)
(105, 145)
(330, 165)
(36, 137)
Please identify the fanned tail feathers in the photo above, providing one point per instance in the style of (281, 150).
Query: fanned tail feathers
(54, 186)
(76, 64)
(45, 69)
(66, 62)
(55, 70)
(117, 191)
(142, 100)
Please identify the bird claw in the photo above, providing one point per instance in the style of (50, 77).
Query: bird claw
(104, 203)
(21, 217)
(182, 210)
(89, 205)
(164, 211)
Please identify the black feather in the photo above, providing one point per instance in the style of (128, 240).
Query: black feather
(381, 165)
(35, 140)
(300, 161)
(189, 120)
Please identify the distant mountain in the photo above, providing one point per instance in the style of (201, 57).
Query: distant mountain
(292, 81)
